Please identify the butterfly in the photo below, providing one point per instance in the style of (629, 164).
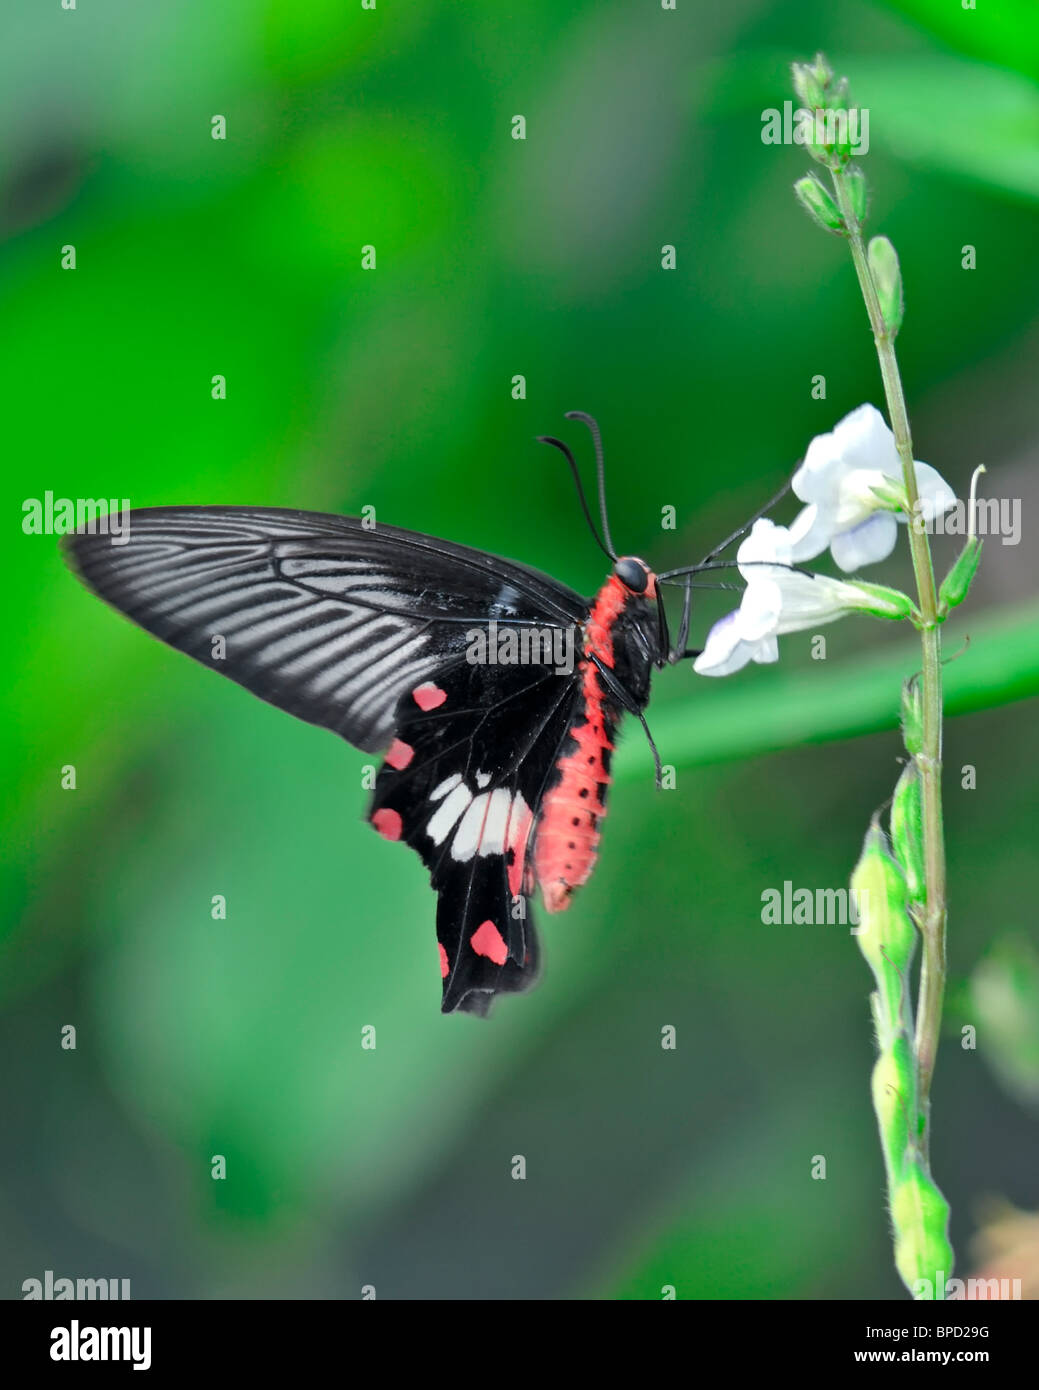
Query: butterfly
(493, 692)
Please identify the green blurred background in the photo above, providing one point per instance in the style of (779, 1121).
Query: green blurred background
(392, 387)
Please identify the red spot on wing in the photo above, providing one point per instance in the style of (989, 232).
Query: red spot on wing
(399, 754)
(443, 962)
(487, 941)
(428, 696)
(388, 823)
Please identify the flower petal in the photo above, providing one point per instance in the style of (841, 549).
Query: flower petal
(866, 442)
(936, 496)
(841, 475)
(810, 533)
(724, 651)
(811, 599)
(859, 442)
(767, 544)
(818, 477)
(758, 614)
(766, 651)
(870, 541)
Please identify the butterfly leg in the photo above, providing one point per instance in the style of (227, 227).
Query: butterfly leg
(683, 630)
(626, 702)
(679, 652)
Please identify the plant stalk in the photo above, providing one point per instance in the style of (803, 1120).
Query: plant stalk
(929, 761)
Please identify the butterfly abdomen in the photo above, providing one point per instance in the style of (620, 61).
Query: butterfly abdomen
(568, 831)
(567, 840)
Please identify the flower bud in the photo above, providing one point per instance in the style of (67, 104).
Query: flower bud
(812, 81)
(827, 125)
(957, 582)
(912, 716)
(885, 934)
(858, 191)
(817, 202)
(907, 832)
(920, 1215)
(893, 1088)
(883, 264)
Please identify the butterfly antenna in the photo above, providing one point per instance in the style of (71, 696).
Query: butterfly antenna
(558, 444)
(600, 472)
(672, 576)
(772, 502)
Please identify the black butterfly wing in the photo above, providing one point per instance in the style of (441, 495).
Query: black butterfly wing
(462, 784)
(317, 614)
(364, 632)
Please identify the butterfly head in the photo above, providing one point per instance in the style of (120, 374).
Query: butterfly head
(636, 576)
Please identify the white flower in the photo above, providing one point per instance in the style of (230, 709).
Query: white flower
(837, 480)
(732, 642)
(777, 600)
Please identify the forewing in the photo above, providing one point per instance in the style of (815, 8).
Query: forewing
(317, 614)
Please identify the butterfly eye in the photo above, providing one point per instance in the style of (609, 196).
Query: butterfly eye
(632, 574)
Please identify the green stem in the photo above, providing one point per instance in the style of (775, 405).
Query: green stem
(929, 760)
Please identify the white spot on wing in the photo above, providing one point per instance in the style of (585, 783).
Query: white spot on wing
(481, 823)
(447, 785)
(454, 804)
(484, 827)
